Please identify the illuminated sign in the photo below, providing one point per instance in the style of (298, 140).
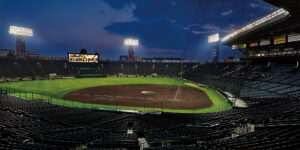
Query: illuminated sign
(228, 60)
(242, 45)
(288, 49)
(279, 40)
(83, 58)
(235, 47)
(294, 38)
(254, 44)
(214, 38)
(264, 42)
(20, 31)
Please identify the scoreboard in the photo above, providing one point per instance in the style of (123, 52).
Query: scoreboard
(83, 58)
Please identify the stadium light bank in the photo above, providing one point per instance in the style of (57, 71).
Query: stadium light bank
(131, 42)
(256, 23)
(20, 31)
(214, 38)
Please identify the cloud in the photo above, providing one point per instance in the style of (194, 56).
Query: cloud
(189, 27)
(206, 29)
(161, 50)
(173, 21)
(253, 5)
(195, 25)
(209, 28)
(200, 32)
(169, 19)
(186, 28)
(94, 19)
(269, 8)
(263, 6)
(228, 30)
(157, 51)
(227, 13)
(173, 3)
(112, 15)
(158, 26)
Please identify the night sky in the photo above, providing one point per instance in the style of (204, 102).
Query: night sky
(165, 28)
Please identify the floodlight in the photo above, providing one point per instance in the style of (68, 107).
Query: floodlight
(256, 23)
(131, 42)
(20, 31)
(214, 38)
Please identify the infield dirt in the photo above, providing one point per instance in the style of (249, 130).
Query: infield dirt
(150, 96)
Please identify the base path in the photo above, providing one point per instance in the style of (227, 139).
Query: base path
(150, 96)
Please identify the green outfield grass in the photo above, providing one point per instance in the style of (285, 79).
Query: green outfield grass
(53, 90)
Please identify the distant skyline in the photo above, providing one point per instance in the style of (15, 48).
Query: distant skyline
(165, 28)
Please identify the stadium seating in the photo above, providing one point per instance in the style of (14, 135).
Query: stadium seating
(13, 69)
(270, 122)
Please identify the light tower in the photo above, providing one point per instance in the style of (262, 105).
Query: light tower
(20, 41)
(131, 43)
(214, 39)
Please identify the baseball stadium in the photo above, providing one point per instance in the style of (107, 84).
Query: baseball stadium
(241, 92)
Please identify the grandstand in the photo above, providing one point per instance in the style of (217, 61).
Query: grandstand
(267, 80)
(27, 68)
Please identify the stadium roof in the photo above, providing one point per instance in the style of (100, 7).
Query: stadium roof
(285, 21)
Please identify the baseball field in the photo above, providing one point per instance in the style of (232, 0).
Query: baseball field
(136, 94)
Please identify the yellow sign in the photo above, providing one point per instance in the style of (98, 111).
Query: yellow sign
(45, 58)
(242, 45)
(228, 60)
(280, 40)
(83, 58)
